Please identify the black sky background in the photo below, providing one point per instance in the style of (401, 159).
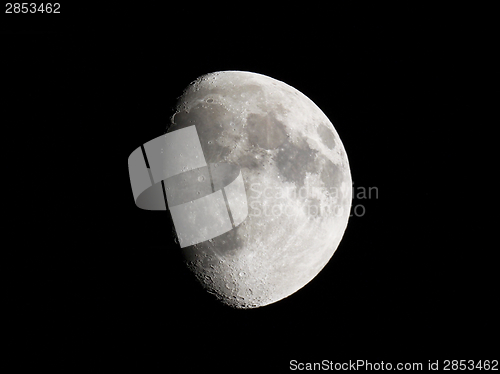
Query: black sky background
(100, 280)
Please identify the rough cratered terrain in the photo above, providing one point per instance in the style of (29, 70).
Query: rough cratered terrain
(297, 182)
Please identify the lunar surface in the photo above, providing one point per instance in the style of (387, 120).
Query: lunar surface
(297, 183)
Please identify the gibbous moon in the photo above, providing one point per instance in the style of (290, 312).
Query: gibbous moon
(296, 178)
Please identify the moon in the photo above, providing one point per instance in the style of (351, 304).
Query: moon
(297, 183)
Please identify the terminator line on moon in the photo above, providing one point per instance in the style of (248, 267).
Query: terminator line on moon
(296, 179)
